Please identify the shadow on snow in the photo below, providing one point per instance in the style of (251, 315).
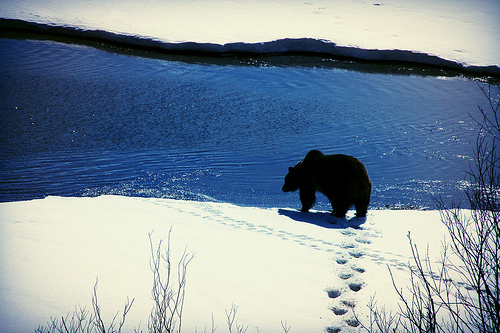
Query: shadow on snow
(323, 219)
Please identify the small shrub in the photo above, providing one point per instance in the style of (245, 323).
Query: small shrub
(439, 303)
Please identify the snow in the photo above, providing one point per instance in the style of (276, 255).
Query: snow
(465, 32)
(275, 264)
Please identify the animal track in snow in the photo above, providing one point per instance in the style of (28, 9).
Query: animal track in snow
(345, 275)
(358, 269)
(341, 261)
(362, 240)
(352, 322)
(354, 249)
(339, 311)
(333, 293)
(207, 211)
(347, 232)
(355, 286)
(348, 303)
(356, 254)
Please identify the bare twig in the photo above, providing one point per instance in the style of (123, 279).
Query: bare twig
(231, 320)
(168, 297)
(82, 321)
(285, 326)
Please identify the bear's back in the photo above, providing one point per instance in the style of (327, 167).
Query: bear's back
(336, 170)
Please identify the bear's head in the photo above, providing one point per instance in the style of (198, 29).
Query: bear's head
(292, 180)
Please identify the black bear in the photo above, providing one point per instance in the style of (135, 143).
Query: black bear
(343, 179)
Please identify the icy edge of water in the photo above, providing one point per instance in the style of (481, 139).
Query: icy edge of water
(287, 45)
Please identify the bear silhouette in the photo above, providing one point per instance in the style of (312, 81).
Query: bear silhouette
(342, 178)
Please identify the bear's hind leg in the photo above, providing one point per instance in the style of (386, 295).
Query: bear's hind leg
(340, 207)
(361, 207)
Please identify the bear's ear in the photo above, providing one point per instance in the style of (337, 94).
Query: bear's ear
(290, 169)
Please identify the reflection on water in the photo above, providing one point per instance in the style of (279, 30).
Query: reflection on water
(82, 121)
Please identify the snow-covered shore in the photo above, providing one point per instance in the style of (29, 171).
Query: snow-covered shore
(275, 264)
(458, 34)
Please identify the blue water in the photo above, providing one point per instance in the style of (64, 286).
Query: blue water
(83, 121)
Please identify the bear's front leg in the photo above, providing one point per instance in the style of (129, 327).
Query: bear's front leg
(307, 198)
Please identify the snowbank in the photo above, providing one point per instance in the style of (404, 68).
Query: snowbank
(457, 34)
(275, 264)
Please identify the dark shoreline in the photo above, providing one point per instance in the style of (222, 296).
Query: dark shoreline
(287, 52)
